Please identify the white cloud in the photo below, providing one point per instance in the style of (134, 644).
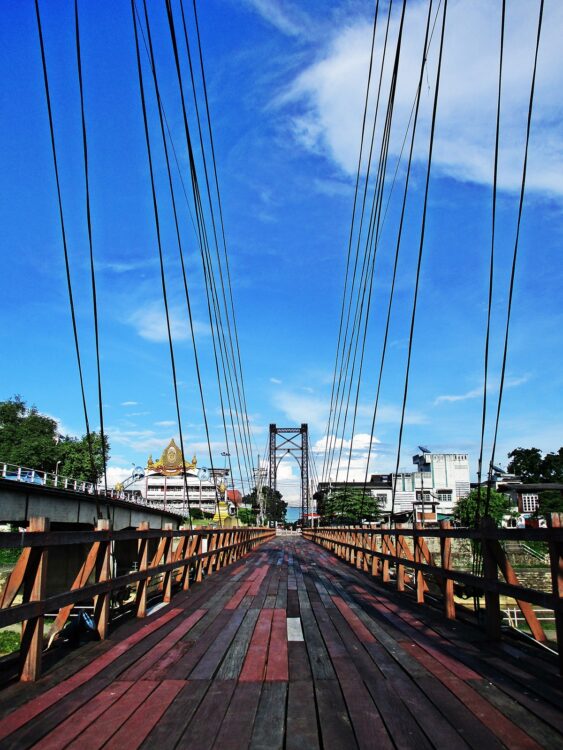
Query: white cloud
(116, 474)
(478, 392)
(129, 403)
(166, 423)
(299, 408)
(275, 381)
(330, 93)
(150, 323)
(288, 20)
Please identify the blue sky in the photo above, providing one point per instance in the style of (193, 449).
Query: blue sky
(286, 84)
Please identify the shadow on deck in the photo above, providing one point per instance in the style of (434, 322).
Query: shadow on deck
(291, 648)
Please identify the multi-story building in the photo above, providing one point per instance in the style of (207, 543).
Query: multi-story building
(172, 482)
(431, 492)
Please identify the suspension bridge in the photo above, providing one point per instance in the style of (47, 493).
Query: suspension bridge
(361, 630)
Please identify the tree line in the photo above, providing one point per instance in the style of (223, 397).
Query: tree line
(32, 440)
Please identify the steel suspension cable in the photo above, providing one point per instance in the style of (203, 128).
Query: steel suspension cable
(160, 252)
(491, 269)
(416, 104)
(65, 247)
(420, 254)
(358, 172)
(514, 258)
(90, 242)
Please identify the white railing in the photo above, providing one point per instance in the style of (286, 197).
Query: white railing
(56, 480)
(514, 617)
(45, 478)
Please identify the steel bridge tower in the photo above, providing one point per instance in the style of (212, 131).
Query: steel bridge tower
(292, 441)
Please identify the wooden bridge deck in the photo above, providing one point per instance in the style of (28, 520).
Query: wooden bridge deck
(290, 648)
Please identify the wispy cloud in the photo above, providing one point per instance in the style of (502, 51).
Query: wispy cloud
(276, 381)
(150, 323)
(478, 392)
(166, 423)
(325, 101)
(129, 403)
(287, 19)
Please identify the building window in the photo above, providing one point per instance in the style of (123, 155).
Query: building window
(444, 496)
(529, 502)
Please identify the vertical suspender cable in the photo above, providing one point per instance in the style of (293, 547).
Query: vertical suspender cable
(159, 244)
(420, 252)
(65, 248)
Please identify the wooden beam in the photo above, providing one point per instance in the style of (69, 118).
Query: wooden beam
(35, 588)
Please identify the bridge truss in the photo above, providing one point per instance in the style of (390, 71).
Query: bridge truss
(292, 441)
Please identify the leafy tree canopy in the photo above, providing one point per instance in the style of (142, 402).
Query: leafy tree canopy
(247, 516)
(531, 466)
(550, 501)
(466, 507)
(351, 505)
(30, 439)
(275, 508)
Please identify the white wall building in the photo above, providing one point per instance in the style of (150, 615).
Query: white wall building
(440, 481)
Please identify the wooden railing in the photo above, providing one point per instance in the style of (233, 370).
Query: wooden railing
(178, 554)
(405, 550)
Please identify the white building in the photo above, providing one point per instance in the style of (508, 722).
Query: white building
(440, 481)
(170, 482)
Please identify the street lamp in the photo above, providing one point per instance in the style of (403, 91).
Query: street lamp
(57, 472)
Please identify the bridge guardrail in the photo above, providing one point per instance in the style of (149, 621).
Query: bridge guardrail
(376, 550)
(203, 551)
(67, 484)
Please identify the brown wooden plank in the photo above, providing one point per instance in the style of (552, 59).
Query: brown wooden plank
(269, 724)
(206, 721)
(172, 724)
(78, 721)
(302, 728)
(236, 727)
(139, 724)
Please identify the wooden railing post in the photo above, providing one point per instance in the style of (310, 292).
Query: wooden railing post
(374, 559)
(103, 573)
(166, 558)
(493, 617)
(418, 558)
(386, 550)
(143, 564)
(35, 589)
(555, 521)
(399, 552)
(447, 583)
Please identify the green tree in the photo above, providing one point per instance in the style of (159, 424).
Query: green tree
(76, 457)
(30, 439)
(27, 438)
(247, 516)
(550, 501)
(274, 507)
(531, 466)
(466, 507)
(351, 505)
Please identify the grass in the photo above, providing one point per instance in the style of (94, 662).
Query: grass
(9, 556)
(9, 641)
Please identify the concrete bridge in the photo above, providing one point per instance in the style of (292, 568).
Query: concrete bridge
(20, 501)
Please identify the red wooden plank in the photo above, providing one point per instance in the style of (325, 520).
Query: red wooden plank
(278, 667)
(507, 732)
(138, 669)
(159, 670)
(354, 621)
(26, 713)
(257, 582)
(255, 661)
(238, 597)
(141, 722)
(106, 725)
(79, 720)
